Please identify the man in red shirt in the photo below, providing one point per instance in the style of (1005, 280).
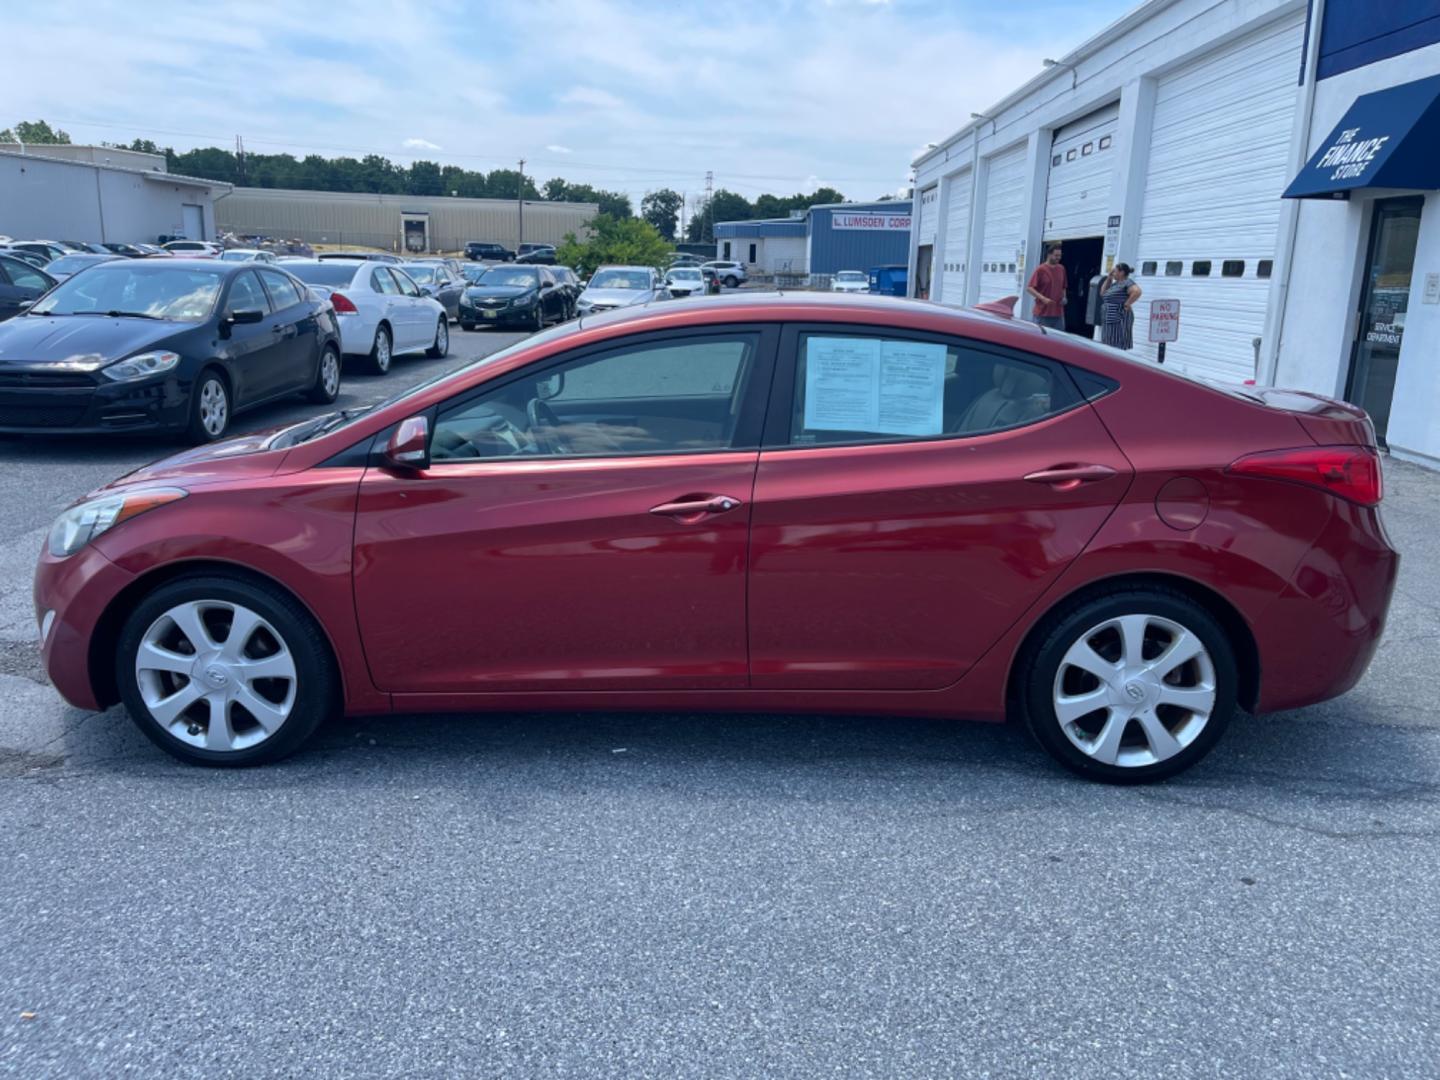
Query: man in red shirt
(1047, 287)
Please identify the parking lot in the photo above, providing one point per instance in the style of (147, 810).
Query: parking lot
(689, 895)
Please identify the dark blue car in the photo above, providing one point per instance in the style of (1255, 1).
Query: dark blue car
(177, 345)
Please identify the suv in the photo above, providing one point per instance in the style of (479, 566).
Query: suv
(480, 249)
(731, 274)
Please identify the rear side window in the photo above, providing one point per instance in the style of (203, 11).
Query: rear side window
(884, 389)
(382, 282)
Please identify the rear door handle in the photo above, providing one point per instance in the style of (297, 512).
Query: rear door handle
(696, 507)
(1069, 477)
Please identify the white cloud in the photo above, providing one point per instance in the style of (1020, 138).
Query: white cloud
(421, 144)
(556, 148)
(591, 97)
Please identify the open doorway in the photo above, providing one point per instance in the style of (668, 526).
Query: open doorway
(1082, 260)
(924, 259)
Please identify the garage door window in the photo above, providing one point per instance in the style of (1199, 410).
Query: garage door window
(884, 389)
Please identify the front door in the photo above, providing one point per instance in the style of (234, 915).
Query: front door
(583, 525)
(1384, 299)
(919, 493)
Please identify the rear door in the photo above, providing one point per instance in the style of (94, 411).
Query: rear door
(915, 495)
(257, 350)
(295, 319)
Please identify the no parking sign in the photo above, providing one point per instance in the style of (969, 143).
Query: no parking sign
(1164, 324)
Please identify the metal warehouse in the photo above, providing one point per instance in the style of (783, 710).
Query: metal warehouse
(1189, 141)
(102, 195)
(828, 238)
(399, 222)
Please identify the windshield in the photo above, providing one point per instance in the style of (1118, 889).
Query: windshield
(153, 289)
(238, 256)
(850, 275)
(473, 274)
(620, 279)
(421, 275)
(510, 275)
(686, 275)
(322, 273)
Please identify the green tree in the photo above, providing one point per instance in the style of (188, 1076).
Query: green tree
(424, 178)
(628, 241)
(662, 210)
(505, 184)
(34, 132)
(614, 203)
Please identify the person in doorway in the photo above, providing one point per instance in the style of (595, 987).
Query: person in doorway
(1047, 288)
(1118, 293)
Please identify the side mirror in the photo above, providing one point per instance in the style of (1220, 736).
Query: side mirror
(250, 315)
(25, 305)
(409, 445)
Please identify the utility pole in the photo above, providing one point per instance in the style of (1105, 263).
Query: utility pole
(240, 158)
(520, 209)
(709, 219)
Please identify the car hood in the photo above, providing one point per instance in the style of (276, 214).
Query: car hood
(83, 341)
(616, 296)
(497, 292)
(245, 456)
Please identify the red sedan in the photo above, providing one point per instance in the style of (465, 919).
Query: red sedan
(810, 503)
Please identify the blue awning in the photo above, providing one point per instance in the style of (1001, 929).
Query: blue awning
(1388, 139)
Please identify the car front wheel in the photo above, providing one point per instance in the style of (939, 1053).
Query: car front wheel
(219, 671)
(732, 282)
(209, 408)
(1130, 687)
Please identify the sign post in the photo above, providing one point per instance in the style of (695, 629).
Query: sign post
(1164, 324)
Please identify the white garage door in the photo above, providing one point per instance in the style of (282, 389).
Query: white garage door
(957, 240)
(192, 220)
(928, 218)
(1077, 192)
(1003, 230)
(1212, 198)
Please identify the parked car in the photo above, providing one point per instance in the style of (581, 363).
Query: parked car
(381, 312)
(78, 246)
(683, 258)
(1006, 527)
(48, 248)
(20, 284)
(483, 249)
(889, 280)
(248, 255)
(169, 345)
(129, 251)
(569, 283)
(193, 249)
(514, 295)
(687, 281)
(435, 280)
(154, 251)
(454, 267)
(367, 256)
(73, 263)
(473, 272)
(850, 281)
(537, 254)
(613, 287)
(732, 274)
(34, 258)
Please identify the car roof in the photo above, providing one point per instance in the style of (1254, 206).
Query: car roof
(214, 266)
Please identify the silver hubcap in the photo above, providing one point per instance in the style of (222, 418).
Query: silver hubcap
(382, 350)
(216, 675)
(213, 407)
(330, 373)
(1134, 690)
(442, 337)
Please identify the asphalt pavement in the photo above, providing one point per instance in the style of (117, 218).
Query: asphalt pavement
(713, 896)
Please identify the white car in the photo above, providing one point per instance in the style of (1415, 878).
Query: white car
(193, 249)
(248, 255)
(381, 312)
(731, 274)
(685, 281)
(850, 281)
(612, 287)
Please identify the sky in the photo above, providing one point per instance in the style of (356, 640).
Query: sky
(779, 97)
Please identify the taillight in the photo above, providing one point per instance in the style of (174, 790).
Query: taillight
(343, 304)
(1352, 472)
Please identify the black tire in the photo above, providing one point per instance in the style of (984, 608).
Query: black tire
(320, 393)
(382, 354)
(203, 426)
(468, 327)
(316, 685)
(441, 346)
(1041, 664)
(539, 323)
(732, 282)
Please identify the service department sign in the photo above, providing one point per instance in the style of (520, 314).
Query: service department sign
(871, 222)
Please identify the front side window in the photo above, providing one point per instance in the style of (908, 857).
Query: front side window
(663, 397)
(26, 277)
(881, 389)
(282, 290)
(246, 295)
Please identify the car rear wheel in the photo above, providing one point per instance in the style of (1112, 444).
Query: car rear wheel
(219, 671)
(732, 282)
(442, 340)
(1131, 687)
(380, 352)
(327, 377)
(209, 407)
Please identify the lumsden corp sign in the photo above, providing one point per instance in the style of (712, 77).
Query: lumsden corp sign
(877, 222)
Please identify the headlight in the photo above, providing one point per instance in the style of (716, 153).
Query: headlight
(142, 366)
(80, 524)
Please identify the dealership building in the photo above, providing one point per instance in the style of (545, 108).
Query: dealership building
(820, 241)
(1272, 165)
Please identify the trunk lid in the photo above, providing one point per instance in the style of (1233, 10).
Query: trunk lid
(1328, 421)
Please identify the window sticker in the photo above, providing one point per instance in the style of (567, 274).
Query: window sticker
(869, 384)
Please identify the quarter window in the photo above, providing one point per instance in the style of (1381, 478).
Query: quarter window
(664, 397)
(852, 389)
(382, 282)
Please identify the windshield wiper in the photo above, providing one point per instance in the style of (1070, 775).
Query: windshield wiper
(133, 315)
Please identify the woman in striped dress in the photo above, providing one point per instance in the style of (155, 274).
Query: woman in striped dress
(1118, 294)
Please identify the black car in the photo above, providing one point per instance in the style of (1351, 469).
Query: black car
(543, 254)
(44, 248)
(31, 257)
(436, 280)
(567, 281)
(130, 251)
(20, 284)
(371, 256)
(525, 296)
(480, 249)
(164, 345)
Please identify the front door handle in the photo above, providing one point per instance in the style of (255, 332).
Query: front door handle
(696, 506)
(1068, 477)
